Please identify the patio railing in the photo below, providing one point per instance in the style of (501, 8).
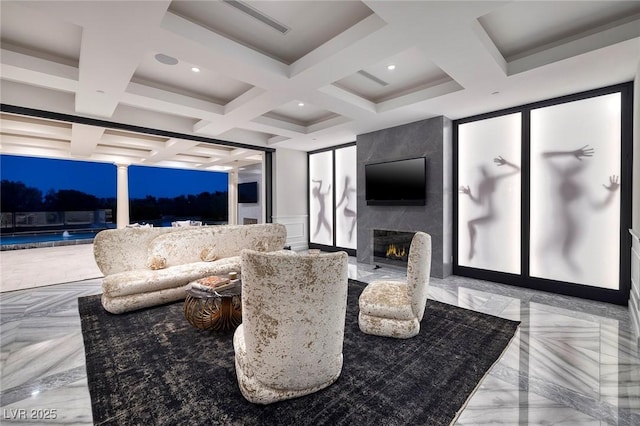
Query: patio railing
(21, 221)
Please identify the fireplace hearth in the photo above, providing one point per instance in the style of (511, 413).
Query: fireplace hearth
(391, 247)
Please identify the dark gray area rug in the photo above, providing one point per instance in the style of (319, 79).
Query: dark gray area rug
(152, 367)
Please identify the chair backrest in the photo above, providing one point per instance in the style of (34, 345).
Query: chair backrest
(418, 272)
(293, 309)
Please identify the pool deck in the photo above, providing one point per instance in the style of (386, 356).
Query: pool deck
(37, 267)
(42, 244)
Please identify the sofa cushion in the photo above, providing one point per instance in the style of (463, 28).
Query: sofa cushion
(208, 254)
(156, 261)
(119, 305)
(145, 280)
(118, 250)
(185, 246)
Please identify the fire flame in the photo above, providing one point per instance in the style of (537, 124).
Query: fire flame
(395, 252)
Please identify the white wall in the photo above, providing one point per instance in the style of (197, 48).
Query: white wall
(290, 195)
(447, 197)
(636, 154)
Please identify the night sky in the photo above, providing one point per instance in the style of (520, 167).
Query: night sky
(99, 179)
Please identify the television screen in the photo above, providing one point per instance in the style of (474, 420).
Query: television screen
(248, 192)
(396, 183)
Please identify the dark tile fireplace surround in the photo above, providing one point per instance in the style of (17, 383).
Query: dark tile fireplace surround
(391, 247)
(432, 139)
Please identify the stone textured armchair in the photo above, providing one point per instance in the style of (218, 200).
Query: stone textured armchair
(290, 341)
(394, 308)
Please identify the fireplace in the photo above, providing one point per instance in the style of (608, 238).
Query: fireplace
(391, 247)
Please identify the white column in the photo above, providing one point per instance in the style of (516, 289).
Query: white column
(233, 197)
(122, 219)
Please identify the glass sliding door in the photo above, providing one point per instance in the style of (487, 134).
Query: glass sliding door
(346, 205)
(544, 195)
(333, 199)
(489, 192)
(575, 200)
(321, 198)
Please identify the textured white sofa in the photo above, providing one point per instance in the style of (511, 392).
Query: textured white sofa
(145, 267)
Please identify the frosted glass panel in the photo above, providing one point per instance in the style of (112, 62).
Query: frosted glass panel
(346, 210)
(489, 194)
(575, 203)
(321, 197)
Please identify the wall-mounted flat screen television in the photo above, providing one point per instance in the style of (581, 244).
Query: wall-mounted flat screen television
(248, 192)
(396, 183)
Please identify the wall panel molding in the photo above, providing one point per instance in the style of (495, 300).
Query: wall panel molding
(297, 230)
(634, 296)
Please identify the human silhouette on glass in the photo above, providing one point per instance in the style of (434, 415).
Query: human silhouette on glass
(569, 190)
(346, 198)
(320, 198)
(486, 191)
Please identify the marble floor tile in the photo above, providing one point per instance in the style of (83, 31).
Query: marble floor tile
(571, 362)
(68, 403)
(42, 359)
(499, 403)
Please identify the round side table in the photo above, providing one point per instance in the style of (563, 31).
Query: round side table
(218, 311)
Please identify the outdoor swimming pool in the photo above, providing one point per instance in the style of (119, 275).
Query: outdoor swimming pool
(45, 239)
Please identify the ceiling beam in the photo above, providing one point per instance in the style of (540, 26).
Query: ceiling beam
(172, 148)
(85, 139)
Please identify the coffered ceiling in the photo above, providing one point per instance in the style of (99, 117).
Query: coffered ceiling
(295, 74)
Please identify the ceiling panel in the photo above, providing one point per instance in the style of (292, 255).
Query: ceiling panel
(27, 126)
(211, 150)
(205, 84)
(310, 24)
(121, 151)
(35, 142)
(300, 113)
(246, 136)
(412, 71)
(520, 28)
(53, 39)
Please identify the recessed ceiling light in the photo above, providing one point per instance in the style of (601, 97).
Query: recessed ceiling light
(391, 67)
(195, 69)
(166, 59)
(300, 104)
(495, 93)
(100, 91)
